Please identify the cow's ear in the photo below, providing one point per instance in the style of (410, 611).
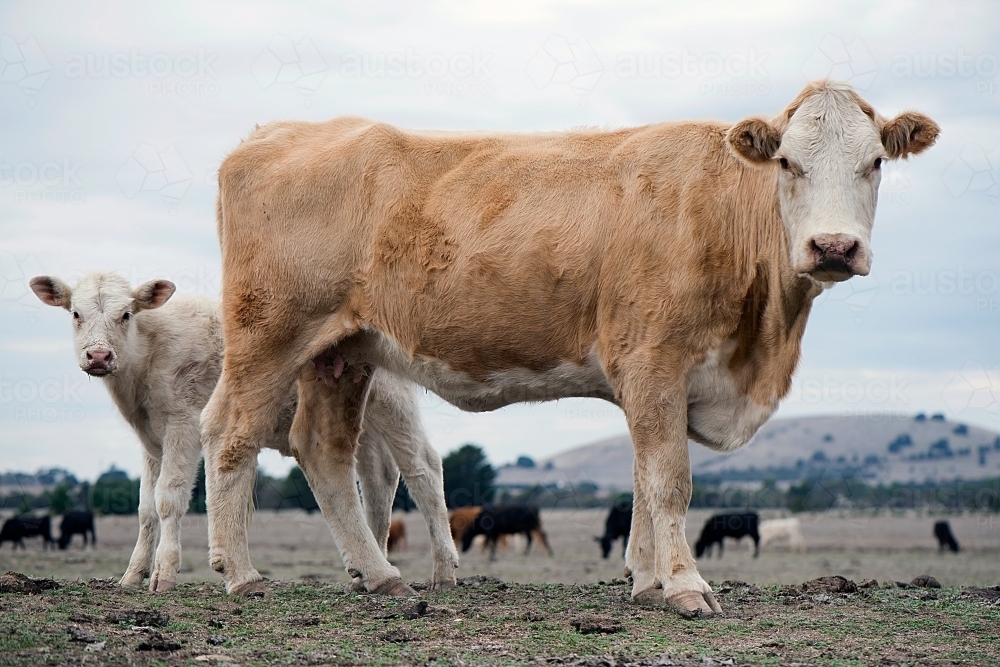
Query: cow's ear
(909, 133)
(51, 290)
(754, 140)
(153, 294)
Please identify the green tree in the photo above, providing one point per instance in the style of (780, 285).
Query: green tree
(468, 477)
(60, 501)
(115, 495)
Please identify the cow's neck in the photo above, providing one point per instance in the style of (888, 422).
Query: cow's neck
(776, 305)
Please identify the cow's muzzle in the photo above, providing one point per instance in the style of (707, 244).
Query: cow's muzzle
(836, 257)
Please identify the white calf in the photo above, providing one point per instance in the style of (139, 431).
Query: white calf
(782, 529)
(160, 364)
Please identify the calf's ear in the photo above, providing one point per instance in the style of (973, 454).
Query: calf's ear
(909, 133)
(152, 294)
(51, 291)
(754, 140)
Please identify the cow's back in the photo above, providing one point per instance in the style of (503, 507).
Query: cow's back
(492, 252)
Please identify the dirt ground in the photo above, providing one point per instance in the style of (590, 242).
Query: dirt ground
(569, 609)
(294, 545)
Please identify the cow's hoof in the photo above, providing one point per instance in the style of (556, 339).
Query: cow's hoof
(396, 587)
(250, 589)
(692, 604)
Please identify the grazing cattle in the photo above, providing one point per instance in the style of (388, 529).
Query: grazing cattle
(160, 357)
(460, 519)
(945, 538)
(77, 522)
(720, 526)
(669, 269)
(495, 522)
(618, 524)
(17, 528)
(397, 536)
(776, 530)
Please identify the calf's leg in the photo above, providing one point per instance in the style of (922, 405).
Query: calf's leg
(392, 415)
(140, 564)
(181, 451)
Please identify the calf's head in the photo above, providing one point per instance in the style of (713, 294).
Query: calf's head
(103, 305)
(828, 147)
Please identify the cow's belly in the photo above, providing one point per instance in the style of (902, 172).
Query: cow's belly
(719, 416)
(500, 388)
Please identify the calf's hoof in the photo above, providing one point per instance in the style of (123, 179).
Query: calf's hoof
(132, 580)
(394, 586)
(692, 604)
(249, 589)
(443, 585)
(158, 584)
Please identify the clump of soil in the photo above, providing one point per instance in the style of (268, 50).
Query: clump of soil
(17, 583)
(79, 635)
(150, 619)
(589, 625)
(398, 636)
(156, 642)
(834, 584)
(925, 581)
(989, 594)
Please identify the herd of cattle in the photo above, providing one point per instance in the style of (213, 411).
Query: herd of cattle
(495, 524)
(669, 269)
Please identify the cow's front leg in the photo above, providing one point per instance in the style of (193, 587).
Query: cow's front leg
(656, 410)
(324, 438)
(181, 451)
(139, 565)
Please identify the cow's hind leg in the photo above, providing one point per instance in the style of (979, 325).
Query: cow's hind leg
(324, 438)
(233, 429)
(379, 476)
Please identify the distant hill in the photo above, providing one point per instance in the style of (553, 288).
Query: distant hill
(884, 449)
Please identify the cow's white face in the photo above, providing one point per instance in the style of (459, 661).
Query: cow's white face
(102, 305)
(829, 147)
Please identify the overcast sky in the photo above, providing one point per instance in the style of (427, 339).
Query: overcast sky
(115, 118)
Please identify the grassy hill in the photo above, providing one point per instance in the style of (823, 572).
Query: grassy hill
(881, 450)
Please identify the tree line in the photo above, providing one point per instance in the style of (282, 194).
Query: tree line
(470, 479)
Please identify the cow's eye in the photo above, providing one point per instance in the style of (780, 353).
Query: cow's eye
(877, 164)
(126, 317)
(784, 163)
(76, 316)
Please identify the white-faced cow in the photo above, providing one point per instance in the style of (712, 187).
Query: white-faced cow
(160, 361)
(668, 268)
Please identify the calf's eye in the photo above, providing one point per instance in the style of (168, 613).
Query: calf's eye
(784, 163)
(877, 164)
(126, 317)
(76, 315)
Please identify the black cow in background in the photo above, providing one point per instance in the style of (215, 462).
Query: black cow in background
(16, 529)
(77, 522)
(506, 520)
(720, 526)
(942, 531)
(619, 524)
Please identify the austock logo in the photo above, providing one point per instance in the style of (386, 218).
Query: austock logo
(24, 64)
(152, 170)
(563, 63)
(836, 58)
(284, 60)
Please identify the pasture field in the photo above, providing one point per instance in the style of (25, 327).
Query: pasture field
(571, 609)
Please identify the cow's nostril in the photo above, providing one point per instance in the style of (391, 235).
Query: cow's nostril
(851, 251)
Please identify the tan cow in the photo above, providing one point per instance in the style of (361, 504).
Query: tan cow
(668, 268)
